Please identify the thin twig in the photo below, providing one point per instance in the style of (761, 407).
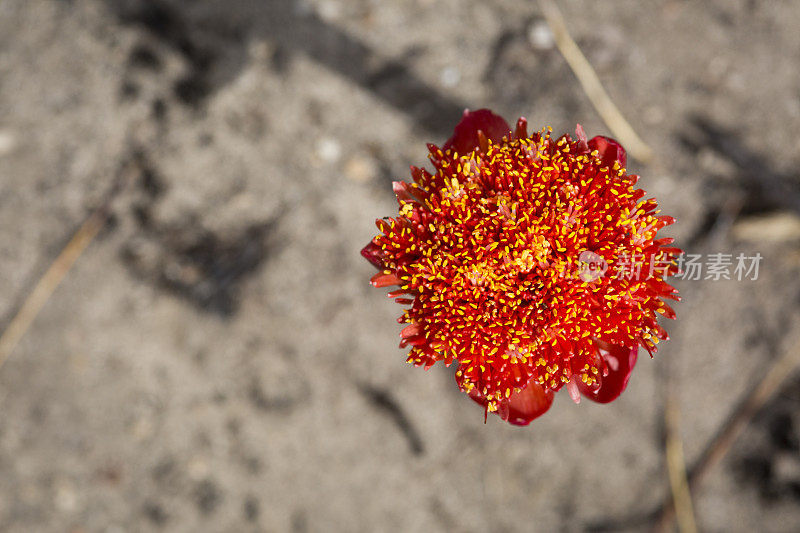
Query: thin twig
(777, 374)
(48, 283)
(676, 465)
(780, 370)
(592, 86)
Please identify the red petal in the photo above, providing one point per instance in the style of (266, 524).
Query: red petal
(667, 220)
(373, 253)
(521, 130)
(465, 136)
(531, 402)
(400, 189)
(620, 360)
(667, 311)
(583, 142)
(411, 330)
(609, 150)
(385, 280)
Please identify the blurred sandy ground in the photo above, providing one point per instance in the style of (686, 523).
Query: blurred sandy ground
(216, 361)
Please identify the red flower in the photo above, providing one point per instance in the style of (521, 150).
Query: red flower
(512, 256)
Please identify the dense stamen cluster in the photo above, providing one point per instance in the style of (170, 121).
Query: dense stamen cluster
(487, 252)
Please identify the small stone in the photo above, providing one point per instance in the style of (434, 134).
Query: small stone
(540, 35)
(712, 162)
(66, 499)
(786, 468)
(359, 169)
(450, 77)
(7, 142)
(329, 150)
(329, 11)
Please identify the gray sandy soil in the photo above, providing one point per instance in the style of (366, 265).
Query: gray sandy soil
(217, 361)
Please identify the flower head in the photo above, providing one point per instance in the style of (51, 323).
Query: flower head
(510, 255)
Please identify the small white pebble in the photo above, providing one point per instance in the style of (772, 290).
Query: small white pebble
(450, 77)
(786, 468)
(540, 36)
(329, 11)
(66, 499)
(7, 142)
(329, 150)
